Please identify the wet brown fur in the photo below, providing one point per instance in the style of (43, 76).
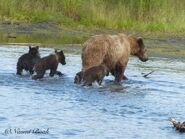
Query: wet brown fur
(49, 63)
(113, 51)
(28, 60)
(96, 73)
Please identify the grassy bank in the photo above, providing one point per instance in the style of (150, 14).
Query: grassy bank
(133, 15)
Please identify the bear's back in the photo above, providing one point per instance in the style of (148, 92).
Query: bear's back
(105, 49)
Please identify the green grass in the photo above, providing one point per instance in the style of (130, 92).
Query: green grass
(132, 15)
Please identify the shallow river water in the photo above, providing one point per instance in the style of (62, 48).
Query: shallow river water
(138, 108)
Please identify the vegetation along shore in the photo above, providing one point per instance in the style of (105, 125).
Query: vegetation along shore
(73, 21)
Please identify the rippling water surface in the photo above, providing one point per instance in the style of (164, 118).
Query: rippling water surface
(138, 108)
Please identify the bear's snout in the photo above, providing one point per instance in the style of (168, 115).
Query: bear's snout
(63, 63)
(144, 58)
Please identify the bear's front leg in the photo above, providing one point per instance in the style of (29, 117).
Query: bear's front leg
(52, 72)
(118, 73)
(123, 76)
(59, 73)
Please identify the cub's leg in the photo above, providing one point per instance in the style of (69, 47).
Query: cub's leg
(52, 73)
(87, 83)
(31, 71)
(39, 75)
(19, 68)
(59, 73)
(100, 80)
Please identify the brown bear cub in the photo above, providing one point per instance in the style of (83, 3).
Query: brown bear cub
(28, 60)
(49, 63)
(96, 73)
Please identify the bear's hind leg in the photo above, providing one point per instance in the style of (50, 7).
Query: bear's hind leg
(19, 68)
(39, 75)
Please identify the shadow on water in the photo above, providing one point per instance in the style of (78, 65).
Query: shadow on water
(137, 108)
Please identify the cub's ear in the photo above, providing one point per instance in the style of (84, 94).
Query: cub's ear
(55, 50)
(140, 41)
(61, 52)
(37, 47)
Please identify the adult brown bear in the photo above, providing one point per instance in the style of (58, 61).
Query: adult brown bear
(113, 51)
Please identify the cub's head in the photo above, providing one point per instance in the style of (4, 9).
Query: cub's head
(138, 48)
(34, 50)
(61, 57)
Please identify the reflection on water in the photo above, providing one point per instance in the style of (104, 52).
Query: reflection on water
(136, 108)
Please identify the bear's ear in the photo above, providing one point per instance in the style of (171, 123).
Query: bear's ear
(37, 47)
(140, 41)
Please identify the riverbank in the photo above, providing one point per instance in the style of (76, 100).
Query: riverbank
(166, 16)
(49, 34)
